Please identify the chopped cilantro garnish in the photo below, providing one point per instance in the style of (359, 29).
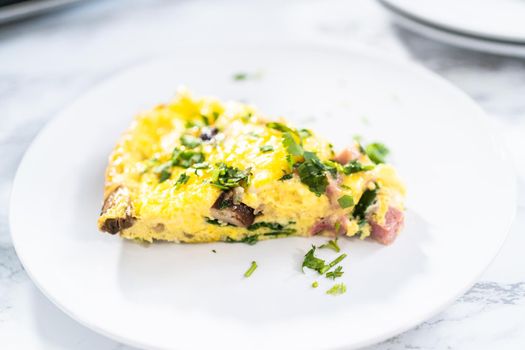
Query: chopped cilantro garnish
(251, 240)
(270, 225)
(252, 268)
(337, 289)
(186, 159)
(377, 152)
(333, 167)
(275, 229)
(345, 201)
(280, 127)
(354, 167)
(304, 133)
(312, 173)
(183, 178)
(332, 263)
(240, 76)
(190, 141)
(315, 284)
(200, 165)
(286, 177)
(367, 198)
(266, 148)
(312, 262)
(226, 177)
(338, 272)
(243, 76)
(331, 244)
(190, 124)
(291, 145)
(164, 173)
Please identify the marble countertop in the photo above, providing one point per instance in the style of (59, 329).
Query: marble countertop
(47, 61)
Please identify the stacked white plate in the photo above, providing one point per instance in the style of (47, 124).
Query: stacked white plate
(11, 10)
(495, 26)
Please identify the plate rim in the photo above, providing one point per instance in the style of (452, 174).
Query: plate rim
(458, 40)
(349, 49)
(393, 6)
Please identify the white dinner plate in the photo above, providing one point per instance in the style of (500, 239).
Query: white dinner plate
(491, 19)
(453, 37)
(461, 201)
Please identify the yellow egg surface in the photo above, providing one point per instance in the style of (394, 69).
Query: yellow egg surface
(199, 170)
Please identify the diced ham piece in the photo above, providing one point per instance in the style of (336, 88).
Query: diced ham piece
(347, 154)
(323, 224)
(387, 232)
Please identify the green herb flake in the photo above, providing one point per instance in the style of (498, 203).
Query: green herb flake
(312, 262)
(164, 174)
(266, 148)
(355, 167)
(275, 229)
(332, 263)
(226, 177)
(377, 152)
(190, 124)
(367, 198)
(345, 201)
(213, 250)
(304, 133)
(338, 272)
(331, 244)
(315, 284)
(291, 145)
(240, 76)
(186, 158)
(312, 174)
(250, 240)
(190, 141)
(183, 178)
(280, 127)
(337, 289)
(263, 224)
(200, 166)
(286, 177)
(252, 268)
(333, 168)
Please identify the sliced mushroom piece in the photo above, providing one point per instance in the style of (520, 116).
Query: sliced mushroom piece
(117, 201)
(115, 225)
(226, 209)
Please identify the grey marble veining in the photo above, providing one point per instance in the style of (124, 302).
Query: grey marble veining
(48, 61)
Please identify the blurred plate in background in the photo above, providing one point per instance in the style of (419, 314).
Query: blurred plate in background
(11, 10)
(439, 20)
(490, 19)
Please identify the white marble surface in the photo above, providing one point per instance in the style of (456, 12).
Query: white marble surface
(46, 62)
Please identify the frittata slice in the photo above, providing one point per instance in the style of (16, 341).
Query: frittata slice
(199, 170)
